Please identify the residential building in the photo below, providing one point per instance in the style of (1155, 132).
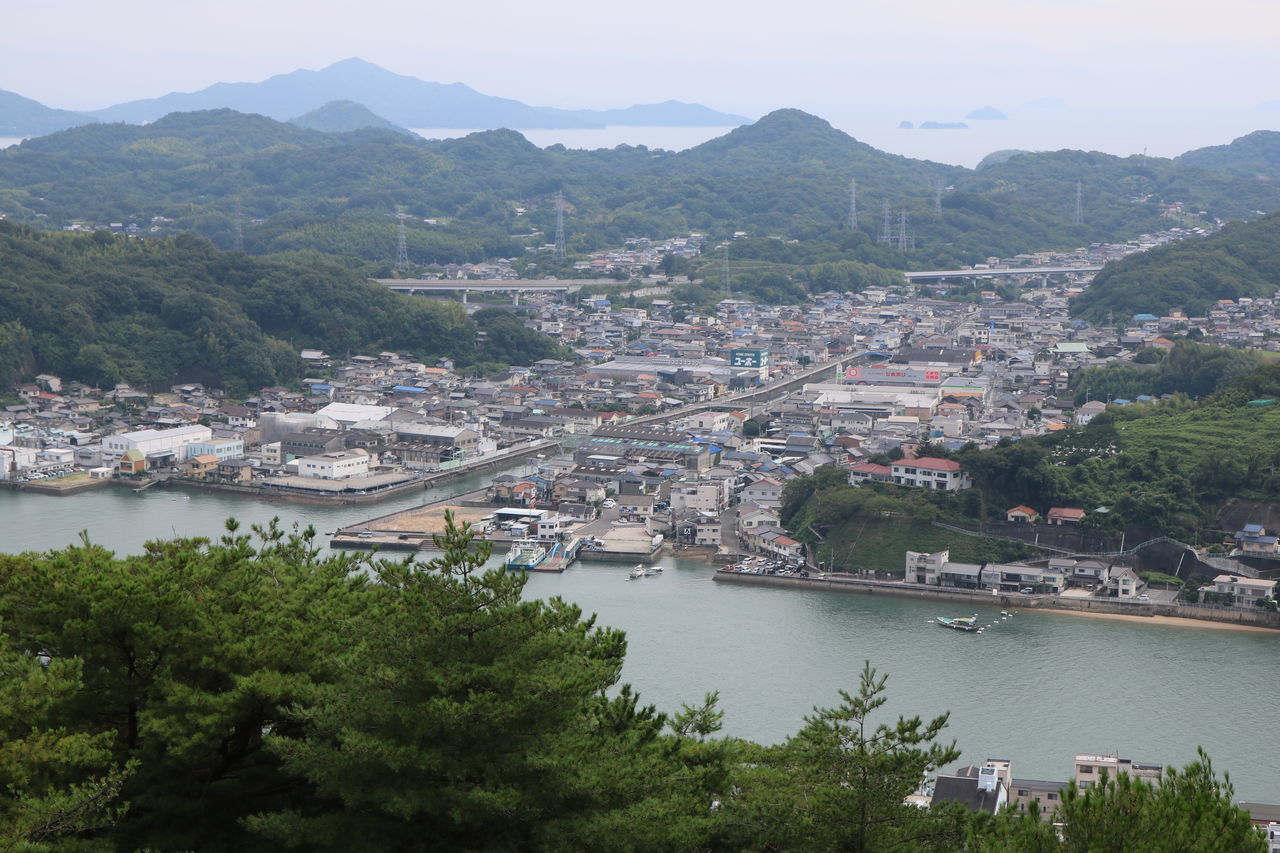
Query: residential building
(929, 473)
(1243, 591)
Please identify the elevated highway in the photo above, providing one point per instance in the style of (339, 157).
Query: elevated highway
(927, 275)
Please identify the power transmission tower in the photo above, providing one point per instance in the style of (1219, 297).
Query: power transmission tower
(938, 186)
(886, 225)
(902, 231)
(559, 225)
(853, 204)
(728, 291)
(237, 243)
(402, 245)
(1079, 217)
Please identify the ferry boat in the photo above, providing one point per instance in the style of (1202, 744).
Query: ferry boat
(526, 554)
(959, 623)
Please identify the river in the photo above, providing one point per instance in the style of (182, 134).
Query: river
(1036, 688)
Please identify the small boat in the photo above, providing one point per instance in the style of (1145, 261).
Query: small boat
(958, 623)
(637, 572)
(652, 571)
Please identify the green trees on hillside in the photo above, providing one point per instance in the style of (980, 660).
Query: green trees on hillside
(104, 310)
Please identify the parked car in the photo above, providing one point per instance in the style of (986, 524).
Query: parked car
(610, 503)
(1026, 590)
(1144, 597)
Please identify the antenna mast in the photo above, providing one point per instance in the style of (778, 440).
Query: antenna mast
(559, 225)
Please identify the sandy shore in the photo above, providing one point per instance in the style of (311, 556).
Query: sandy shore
(1174, 621)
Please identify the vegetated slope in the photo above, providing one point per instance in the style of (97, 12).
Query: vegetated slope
(21, 116)
(105, 309)
(787, 175)
(1243, 259)
(1254, 155)
(343, 116)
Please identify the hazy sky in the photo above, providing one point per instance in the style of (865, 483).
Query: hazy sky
(743, 55)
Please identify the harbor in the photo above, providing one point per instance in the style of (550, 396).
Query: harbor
(774, 650)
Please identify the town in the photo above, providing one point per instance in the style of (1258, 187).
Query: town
(673, 428)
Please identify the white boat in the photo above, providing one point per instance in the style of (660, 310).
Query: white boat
(637, 572)
(652, 571)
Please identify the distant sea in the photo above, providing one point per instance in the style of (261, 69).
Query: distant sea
(1158, 134)
(1123, 133)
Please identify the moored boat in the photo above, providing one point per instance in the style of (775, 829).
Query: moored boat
(526, 554)
(958, 623)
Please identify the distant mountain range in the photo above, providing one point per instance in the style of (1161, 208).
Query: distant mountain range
(401, 100)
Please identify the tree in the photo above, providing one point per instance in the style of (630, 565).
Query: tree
(1190, 809)
(464, 717)
(841, 784)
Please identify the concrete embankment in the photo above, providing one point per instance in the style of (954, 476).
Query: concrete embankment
(1261, 619)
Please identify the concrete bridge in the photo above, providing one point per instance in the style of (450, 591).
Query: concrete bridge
(926, 275)
(497, 285)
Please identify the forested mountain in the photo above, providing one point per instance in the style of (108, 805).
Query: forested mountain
(1255, 155)
(343, 116)
(1243, 259)
(21, 116)
(106, 309)
(787, 175)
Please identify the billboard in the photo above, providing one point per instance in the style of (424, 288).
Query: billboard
(885, 375)
(748, 358)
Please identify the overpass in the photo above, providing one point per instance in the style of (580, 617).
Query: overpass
(514, 286)
(926, 275)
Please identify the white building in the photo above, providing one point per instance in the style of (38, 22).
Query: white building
(929, 473)
(221, 448)
(337, 465)
(1243, 591)
(156, 442)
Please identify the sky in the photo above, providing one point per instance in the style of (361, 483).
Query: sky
(743, 55)
(863, 65)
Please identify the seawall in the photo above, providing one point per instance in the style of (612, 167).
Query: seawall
(1242, 616)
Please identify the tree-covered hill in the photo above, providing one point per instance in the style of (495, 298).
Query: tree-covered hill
(1254, 155)
(787, 175)
(1243, 259)
(105, 309)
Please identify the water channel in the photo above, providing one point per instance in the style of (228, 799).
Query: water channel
(1036, 688)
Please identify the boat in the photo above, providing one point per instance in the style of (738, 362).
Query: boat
(637, 572)
(525, 554)
(958, 623)
(652, 571)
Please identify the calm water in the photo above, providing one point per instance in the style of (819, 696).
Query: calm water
(1036, 688)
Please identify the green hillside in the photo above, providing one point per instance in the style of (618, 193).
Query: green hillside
(1243, 259)
(104, 309)
(787, 175)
